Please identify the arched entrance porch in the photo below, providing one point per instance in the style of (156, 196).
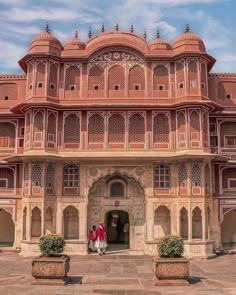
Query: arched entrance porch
(228, 230)
(117, 225)
(122, 196)
(7, 229)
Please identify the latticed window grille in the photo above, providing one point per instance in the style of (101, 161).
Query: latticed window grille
(194, 122)
(196, 174)
(30, 76)
(26, 172)
(136, 77)
(117, 189)
(72, 77)
(161, 77)
(72, 129)
(116, 76)
(136, 128)
(53, 75)
(96, 129)
(193, 73)
(37, 174)
(26, 175)
(96, 77)
(38, 121)
(205, 126)
(6, 178)
(51, 136)
(7, 135)
(50, 176)
(116, 129)
(181, 126)
(179, 72)
(161, 128)
(207, 176)
(40, 73)
(204, 79)
(71, 176)
(183, 175)
(162, 176)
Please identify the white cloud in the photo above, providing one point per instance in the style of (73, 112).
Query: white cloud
(10, 54)
(37, 13)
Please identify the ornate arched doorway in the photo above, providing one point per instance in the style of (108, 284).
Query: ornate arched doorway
(117, 200)
(7, 229)
(228, 230)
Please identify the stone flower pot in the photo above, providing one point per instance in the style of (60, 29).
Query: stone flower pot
(170, 271)
(50, 270)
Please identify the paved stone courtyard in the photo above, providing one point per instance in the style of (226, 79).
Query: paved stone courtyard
(118, 275)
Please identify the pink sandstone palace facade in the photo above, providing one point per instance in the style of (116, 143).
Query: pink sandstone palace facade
(121, 130)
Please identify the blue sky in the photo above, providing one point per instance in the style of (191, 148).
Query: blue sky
(213, 20)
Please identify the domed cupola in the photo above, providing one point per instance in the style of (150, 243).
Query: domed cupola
(159, 44)
(74, 43)
(45, 43)
(188, 41)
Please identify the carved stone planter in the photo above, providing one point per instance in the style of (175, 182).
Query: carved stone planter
(170, 271)
(50, 270)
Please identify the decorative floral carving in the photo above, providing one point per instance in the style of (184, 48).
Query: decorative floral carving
(139, 171)
(93, 171)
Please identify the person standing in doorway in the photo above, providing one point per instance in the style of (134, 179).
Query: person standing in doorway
(101, 239)
(92, 239)
(126, 232)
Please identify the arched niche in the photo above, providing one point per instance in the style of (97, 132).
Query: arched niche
(228, 232)
(184, 223)
(197, 223)
(36, 223)
(161, 222)
(7, 228)
(71, 223)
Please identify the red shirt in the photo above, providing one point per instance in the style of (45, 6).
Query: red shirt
(101, 233)
(92, 235)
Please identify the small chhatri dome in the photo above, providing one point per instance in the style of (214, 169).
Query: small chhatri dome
(159, 44)
(45, 42)
(188, 41)
(75, 43)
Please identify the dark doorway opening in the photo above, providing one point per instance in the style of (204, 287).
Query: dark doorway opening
(117, 224)
(7, 229)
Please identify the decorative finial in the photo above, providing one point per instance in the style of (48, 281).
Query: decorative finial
(102, 28)
(158, 34)
(131, 28)
(117, 26)
(89, 33)
(186, 28)
(145, 34)
(76, 34)
(47, 29)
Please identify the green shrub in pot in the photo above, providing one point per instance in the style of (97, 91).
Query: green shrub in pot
(170, 246)
(51, 244)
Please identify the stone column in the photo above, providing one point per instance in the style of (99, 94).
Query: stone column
(83, 221)
(189, 221)
(149, 220)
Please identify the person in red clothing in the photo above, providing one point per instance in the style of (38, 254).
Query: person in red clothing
(92, 239)
(101, 239)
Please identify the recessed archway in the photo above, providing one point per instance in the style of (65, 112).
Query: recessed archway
(228, 230)
(7, 229)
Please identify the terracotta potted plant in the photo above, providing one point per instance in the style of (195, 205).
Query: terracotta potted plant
(51, 267)
(170, 268)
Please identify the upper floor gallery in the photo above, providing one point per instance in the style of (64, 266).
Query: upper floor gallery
(116, 65)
